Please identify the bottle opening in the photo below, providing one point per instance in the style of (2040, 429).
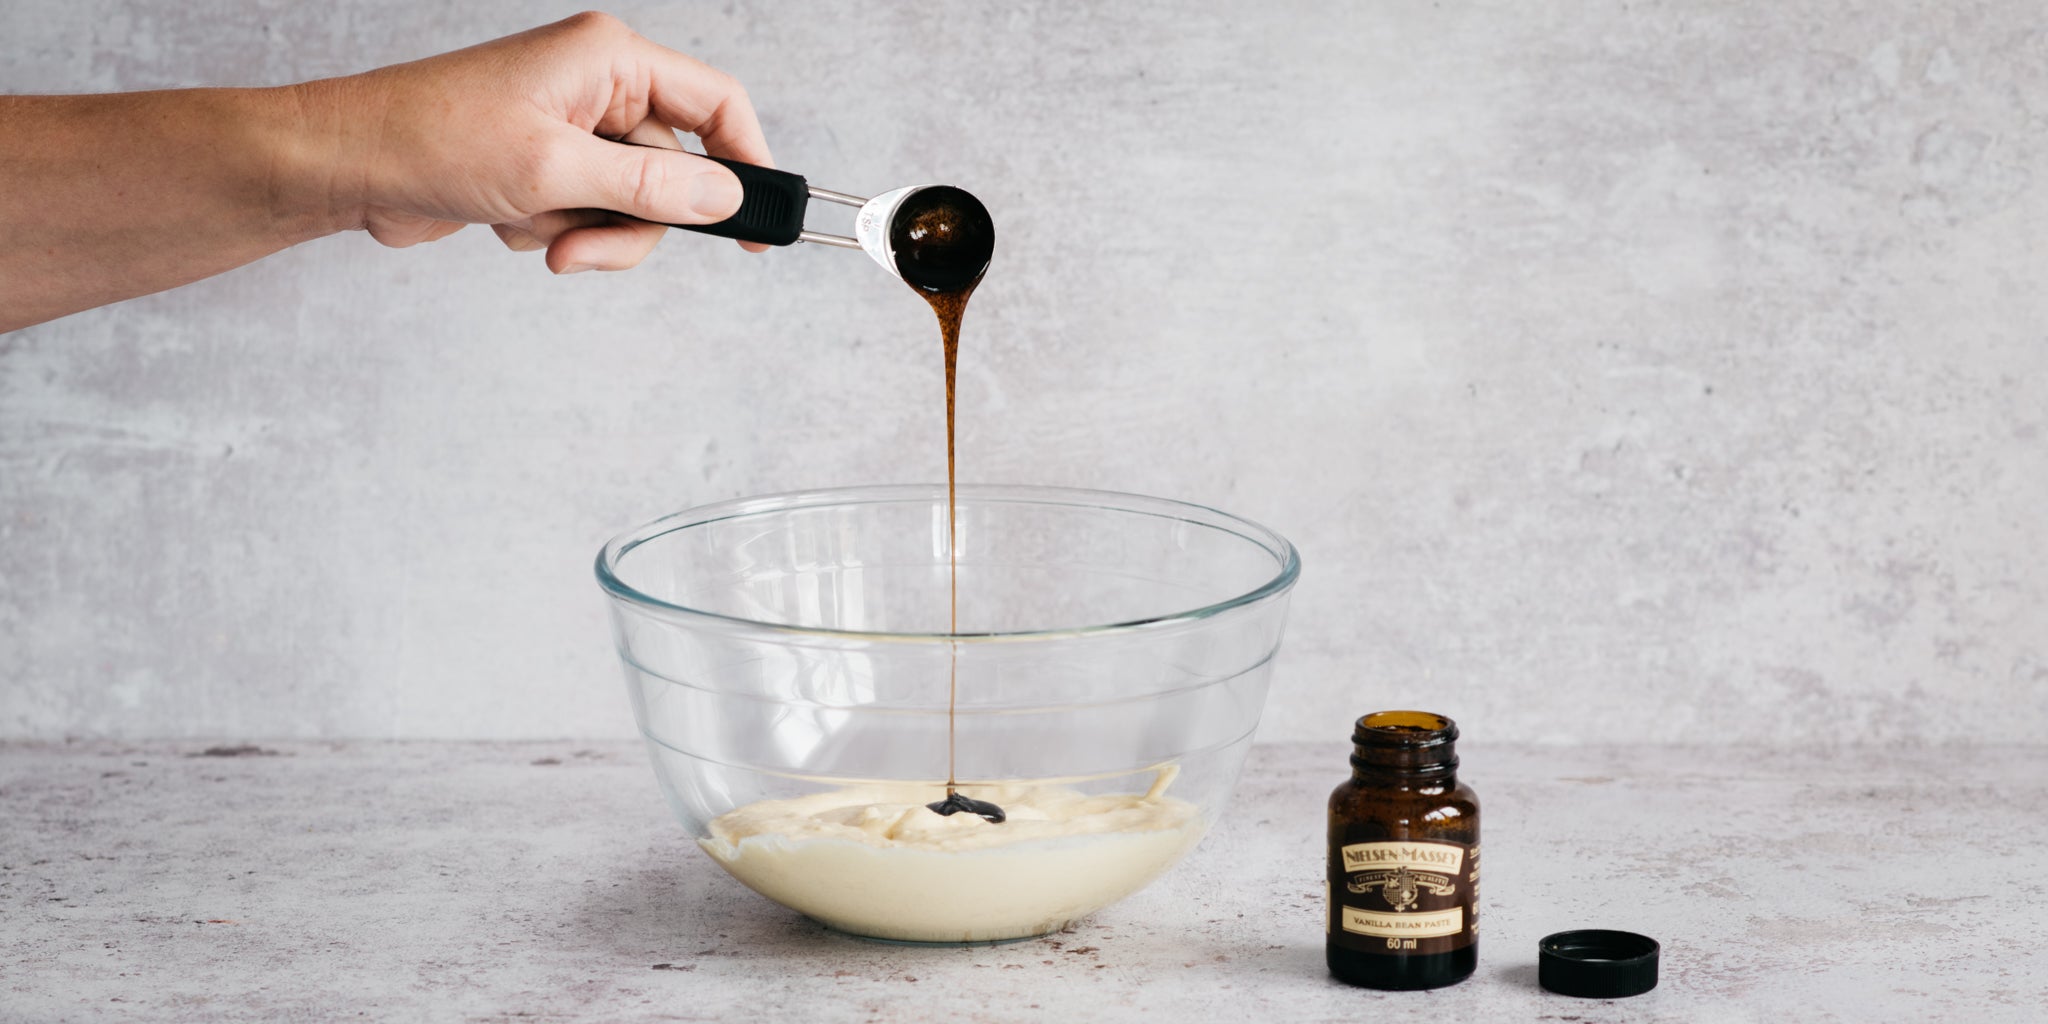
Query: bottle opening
(1405, 721)
(1407, 740)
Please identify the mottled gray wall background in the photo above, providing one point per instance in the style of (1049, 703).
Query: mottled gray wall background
(1675, 371)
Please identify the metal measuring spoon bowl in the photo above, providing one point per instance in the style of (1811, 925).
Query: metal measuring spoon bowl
(935, 238)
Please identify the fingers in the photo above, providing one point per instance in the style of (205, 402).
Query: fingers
(654, 133)
(679, 90)
(615, 246)
(650, 132)
(709, 103)
(400, 230)
(579, 240)
(651, 83)
(650, 88)
(694, 96)
(516, 237)
(590, 239)
(532, 234)
(641, 181)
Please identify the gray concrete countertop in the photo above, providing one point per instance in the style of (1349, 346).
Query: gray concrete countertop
(499, 882)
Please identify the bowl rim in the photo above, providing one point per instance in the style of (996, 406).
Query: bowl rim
(1272, 542)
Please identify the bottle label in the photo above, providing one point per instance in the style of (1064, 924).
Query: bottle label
(1403, 897)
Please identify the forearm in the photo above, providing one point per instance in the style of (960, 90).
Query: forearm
(104, 198)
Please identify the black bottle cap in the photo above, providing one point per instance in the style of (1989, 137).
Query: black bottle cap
(1597, 964)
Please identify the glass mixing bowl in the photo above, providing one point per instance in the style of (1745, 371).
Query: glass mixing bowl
(790, 664)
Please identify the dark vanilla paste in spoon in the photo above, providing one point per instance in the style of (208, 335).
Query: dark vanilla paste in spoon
(942, 238)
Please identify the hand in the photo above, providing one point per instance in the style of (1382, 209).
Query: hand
(510, 134)
(515, 133)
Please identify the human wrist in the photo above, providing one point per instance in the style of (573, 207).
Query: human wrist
(319, 154)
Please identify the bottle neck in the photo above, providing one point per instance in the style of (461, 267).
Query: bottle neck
(1407, 749)
(1436, 777)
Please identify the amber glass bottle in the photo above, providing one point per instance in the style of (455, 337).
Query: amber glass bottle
(1404, 858)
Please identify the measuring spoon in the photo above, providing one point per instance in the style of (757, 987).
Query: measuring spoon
(935, 238)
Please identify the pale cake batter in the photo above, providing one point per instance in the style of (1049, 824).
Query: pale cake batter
(873, 860)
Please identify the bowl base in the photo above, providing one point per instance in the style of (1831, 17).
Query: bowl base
(919, 943)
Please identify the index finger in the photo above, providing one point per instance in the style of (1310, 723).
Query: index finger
(687, 93)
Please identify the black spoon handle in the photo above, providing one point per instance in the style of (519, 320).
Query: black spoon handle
(772, 210)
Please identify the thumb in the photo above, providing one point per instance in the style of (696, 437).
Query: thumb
(648, 182)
